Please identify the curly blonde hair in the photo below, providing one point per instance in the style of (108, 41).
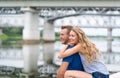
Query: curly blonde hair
(91, 52)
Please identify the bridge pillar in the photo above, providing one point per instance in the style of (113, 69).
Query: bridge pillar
(30, 55)
(48, 32)
(31, 32)
(109, 40)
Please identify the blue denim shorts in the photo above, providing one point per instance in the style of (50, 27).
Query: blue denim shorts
(99, 75)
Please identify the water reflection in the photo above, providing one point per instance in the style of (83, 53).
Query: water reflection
(30, 57)
(37, 60)
(48, 52)
(48, 69)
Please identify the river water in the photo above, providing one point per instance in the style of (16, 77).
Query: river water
(17, 60)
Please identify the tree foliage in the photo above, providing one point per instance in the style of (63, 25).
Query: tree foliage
(12, 31)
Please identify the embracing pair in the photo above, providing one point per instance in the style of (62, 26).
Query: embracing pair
(81, 57)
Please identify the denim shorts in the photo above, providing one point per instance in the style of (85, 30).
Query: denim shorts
(99, 75)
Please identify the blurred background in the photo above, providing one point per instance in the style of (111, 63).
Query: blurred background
(30, 43)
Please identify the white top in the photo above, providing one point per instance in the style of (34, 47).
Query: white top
(96, 66)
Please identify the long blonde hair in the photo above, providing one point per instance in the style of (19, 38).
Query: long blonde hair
(91, 52)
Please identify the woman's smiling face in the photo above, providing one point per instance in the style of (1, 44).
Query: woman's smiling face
(73, 37)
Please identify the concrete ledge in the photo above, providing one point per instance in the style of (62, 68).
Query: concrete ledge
(115, 75)
(112, 68)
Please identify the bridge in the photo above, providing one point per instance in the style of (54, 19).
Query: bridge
(55, 17)
(52, 11)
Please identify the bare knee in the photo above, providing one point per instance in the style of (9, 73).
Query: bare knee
(66, 75)
(77, 74)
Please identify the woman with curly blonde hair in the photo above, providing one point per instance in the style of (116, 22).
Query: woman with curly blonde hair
(90, 56)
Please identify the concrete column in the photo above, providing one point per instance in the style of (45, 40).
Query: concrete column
(48, 32)
(48, 52)
(30, 55)
(31, 32)
(109, 40)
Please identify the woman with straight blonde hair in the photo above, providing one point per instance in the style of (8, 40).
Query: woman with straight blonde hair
(90, 56)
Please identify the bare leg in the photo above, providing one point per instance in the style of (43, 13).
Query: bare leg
(77, 74)
(70, 77)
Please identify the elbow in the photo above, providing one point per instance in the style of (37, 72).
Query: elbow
(60, 75)
(61, 56)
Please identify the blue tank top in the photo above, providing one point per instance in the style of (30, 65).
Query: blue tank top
(74, 61)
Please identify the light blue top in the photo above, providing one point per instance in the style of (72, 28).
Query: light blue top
(96, 66)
